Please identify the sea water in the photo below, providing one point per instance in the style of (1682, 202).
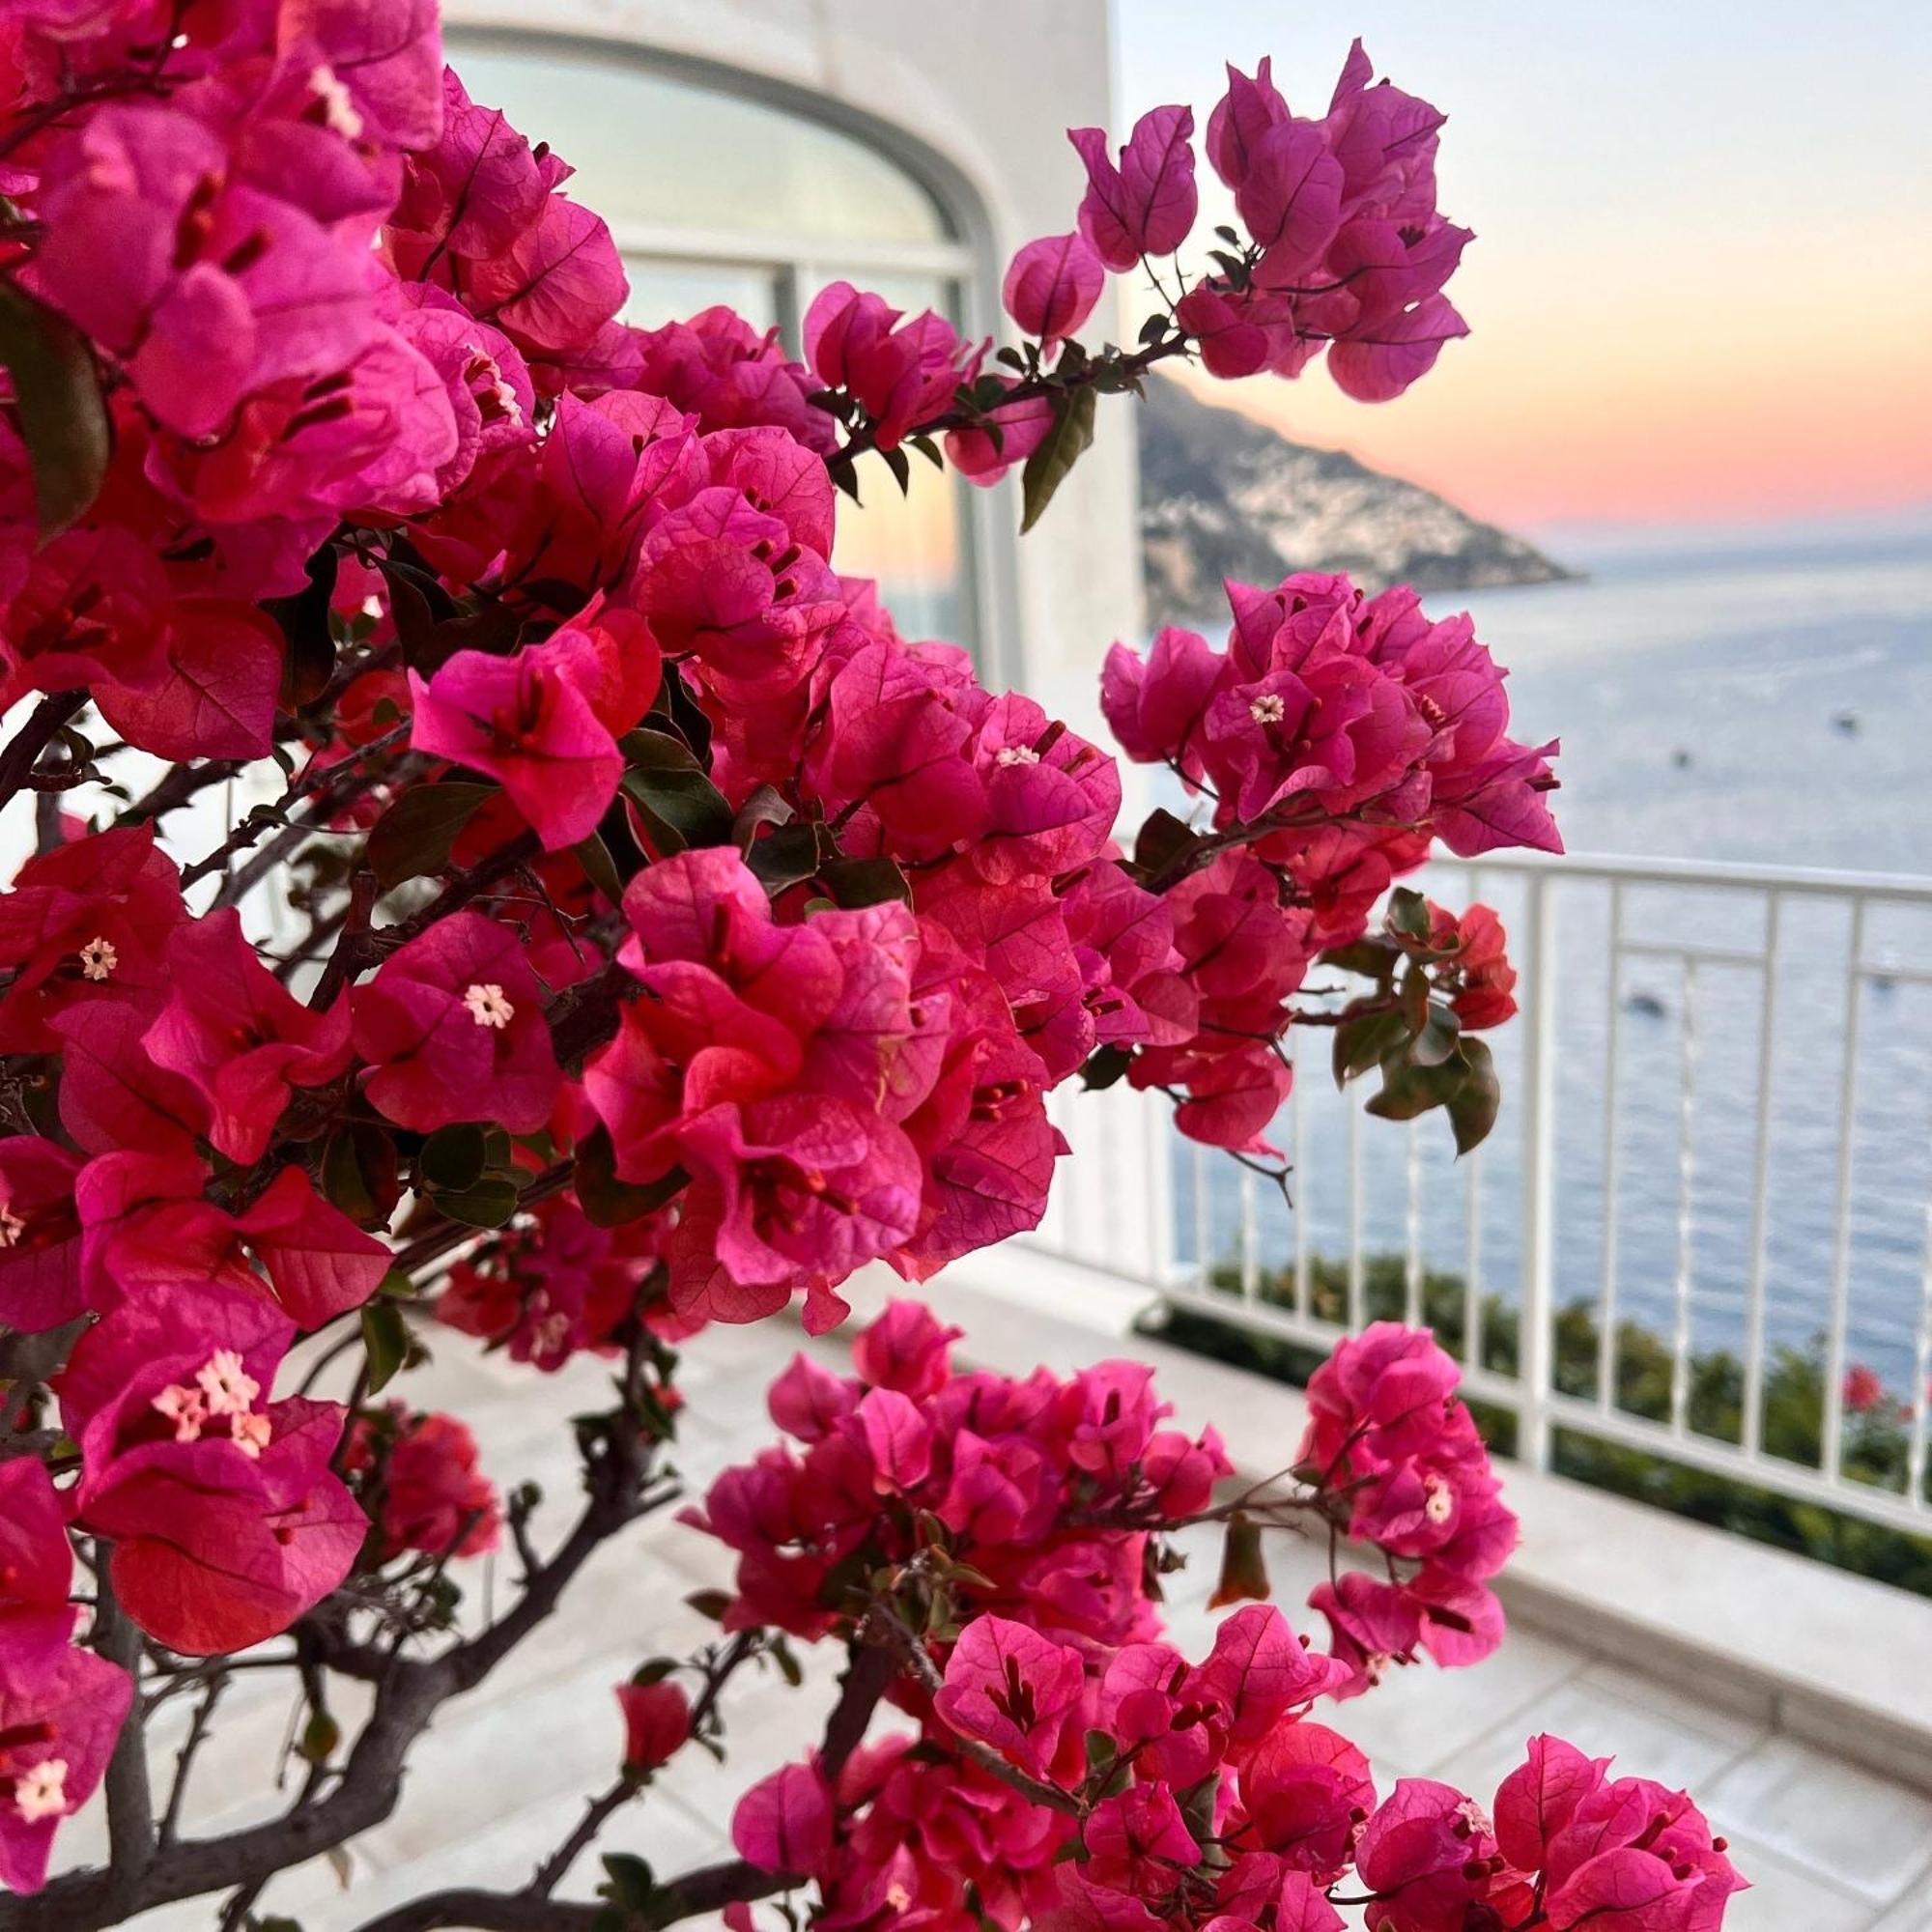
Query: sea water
(1765, 702)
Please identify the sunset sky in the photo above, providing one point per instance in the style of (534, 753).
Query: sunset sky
(1702, 284)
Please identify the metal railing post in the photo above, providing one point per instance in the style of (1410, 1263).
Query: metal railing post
(1537, 1315)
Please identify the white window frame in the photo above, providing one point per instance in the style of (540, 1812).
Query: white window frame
(969, 263)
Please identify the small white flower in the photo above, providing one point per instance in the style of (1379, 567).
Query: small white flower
(185, 1408)
(1476, 1817)
(11, 1227)
(337, 108)
(1016, 754)
(1269, 708)
(1439, 1499)
(230, 1389)
(488, 1007)
(99, 959)
(41, 1790)
(250, 1434)
(372, 608)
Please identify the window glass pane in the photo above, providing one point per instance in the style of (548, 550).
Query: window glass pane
(650, 149)
(665, 289)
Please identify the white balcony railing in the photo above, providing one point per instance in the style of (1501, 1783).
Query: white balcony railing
(1702, 1230)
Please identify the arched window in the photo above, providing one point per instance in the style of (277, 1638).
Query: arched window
(716, 197)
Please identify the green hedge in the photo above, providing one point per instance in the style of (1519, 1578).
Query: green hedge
(1876, 1442)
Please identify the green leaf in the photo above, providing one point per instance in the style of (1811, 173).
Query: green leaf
(319, 1736)
(1065, 442)
(1244, 1573)
(787, 1663)
(766, 806)
(453, 1158)
(712, 1603)
(865, 882)
(1409, 913)
(901, 465)
(490, 1204)
(386, 1341)
(358, 1174)
(1105, 1066)
(1440, 1033)
(1373, 958)
(929, 449)
(608, 1202)
(1474, 1105)
(1360, 1042)
(594, 856)
(631, 1882)
(1161, 841)
(414, 836)
(62, 419)
(788, 858)
(1407, 1092)
(663, 779)
(304, 620)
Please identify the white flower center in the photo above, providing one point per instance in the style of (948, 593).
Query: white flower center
(99, 959)
(1269, 708)
(185, 1408)
(488, 1007)
(1439, 1499)
(40, 1791)
(1476, 1817)
(11, 1227)
(1016, 754)
(230, 1389)
(250, 1434)
(372, 608)
(337, 108)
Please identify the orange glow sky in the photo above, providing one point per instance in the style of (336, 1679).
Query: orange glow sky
(1702, 285)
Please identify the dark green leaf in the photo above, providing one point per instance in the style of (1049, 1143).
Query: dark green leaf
(766, 806)
(865, 882)
(1065, 442)
(358, 1174)
(62, 420)
(929, 449)
(453, 1158)
(1409, 913)
(608, 1202)
(1407, 1092)
(414, 836)
(712, 1603)
(319, 1737)
(1373, 958)
(631, 1882)
(594, 856)
(1162, 840)
(1440, 1032)
(1360, 1042)
(490, 1204)
(386, 1341)
(788, 858)
(665, 780)
(1104, 1067)
(1474, 1105)
(304, 620)
(787, 1663)
(901, 465)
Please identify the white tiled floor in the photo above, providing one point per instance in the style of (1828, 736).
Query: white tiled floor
(1829, 1848)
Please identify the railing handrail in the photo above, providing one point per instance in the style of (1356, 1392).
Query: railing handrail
(1630, 870)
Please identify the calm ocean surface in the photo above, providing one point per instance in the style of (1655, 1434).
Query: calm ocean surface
(1768, 702)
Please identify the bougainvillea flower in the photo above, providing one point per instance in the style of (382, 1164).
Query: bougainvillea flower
(40, 1234)
(1146, 204)
(240, 1037)
(906, 1347)
(1634, 1855)
(36, 1561)
(1012, 1689)
(453, 1024)
(61, 1711)
(1305, 1790)
(1052, 285)
(433, 1497)
(225, 1521)
(656, 1720)
(88, 921)
(1541, 1796)
(527, 721)
(783, 1822)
